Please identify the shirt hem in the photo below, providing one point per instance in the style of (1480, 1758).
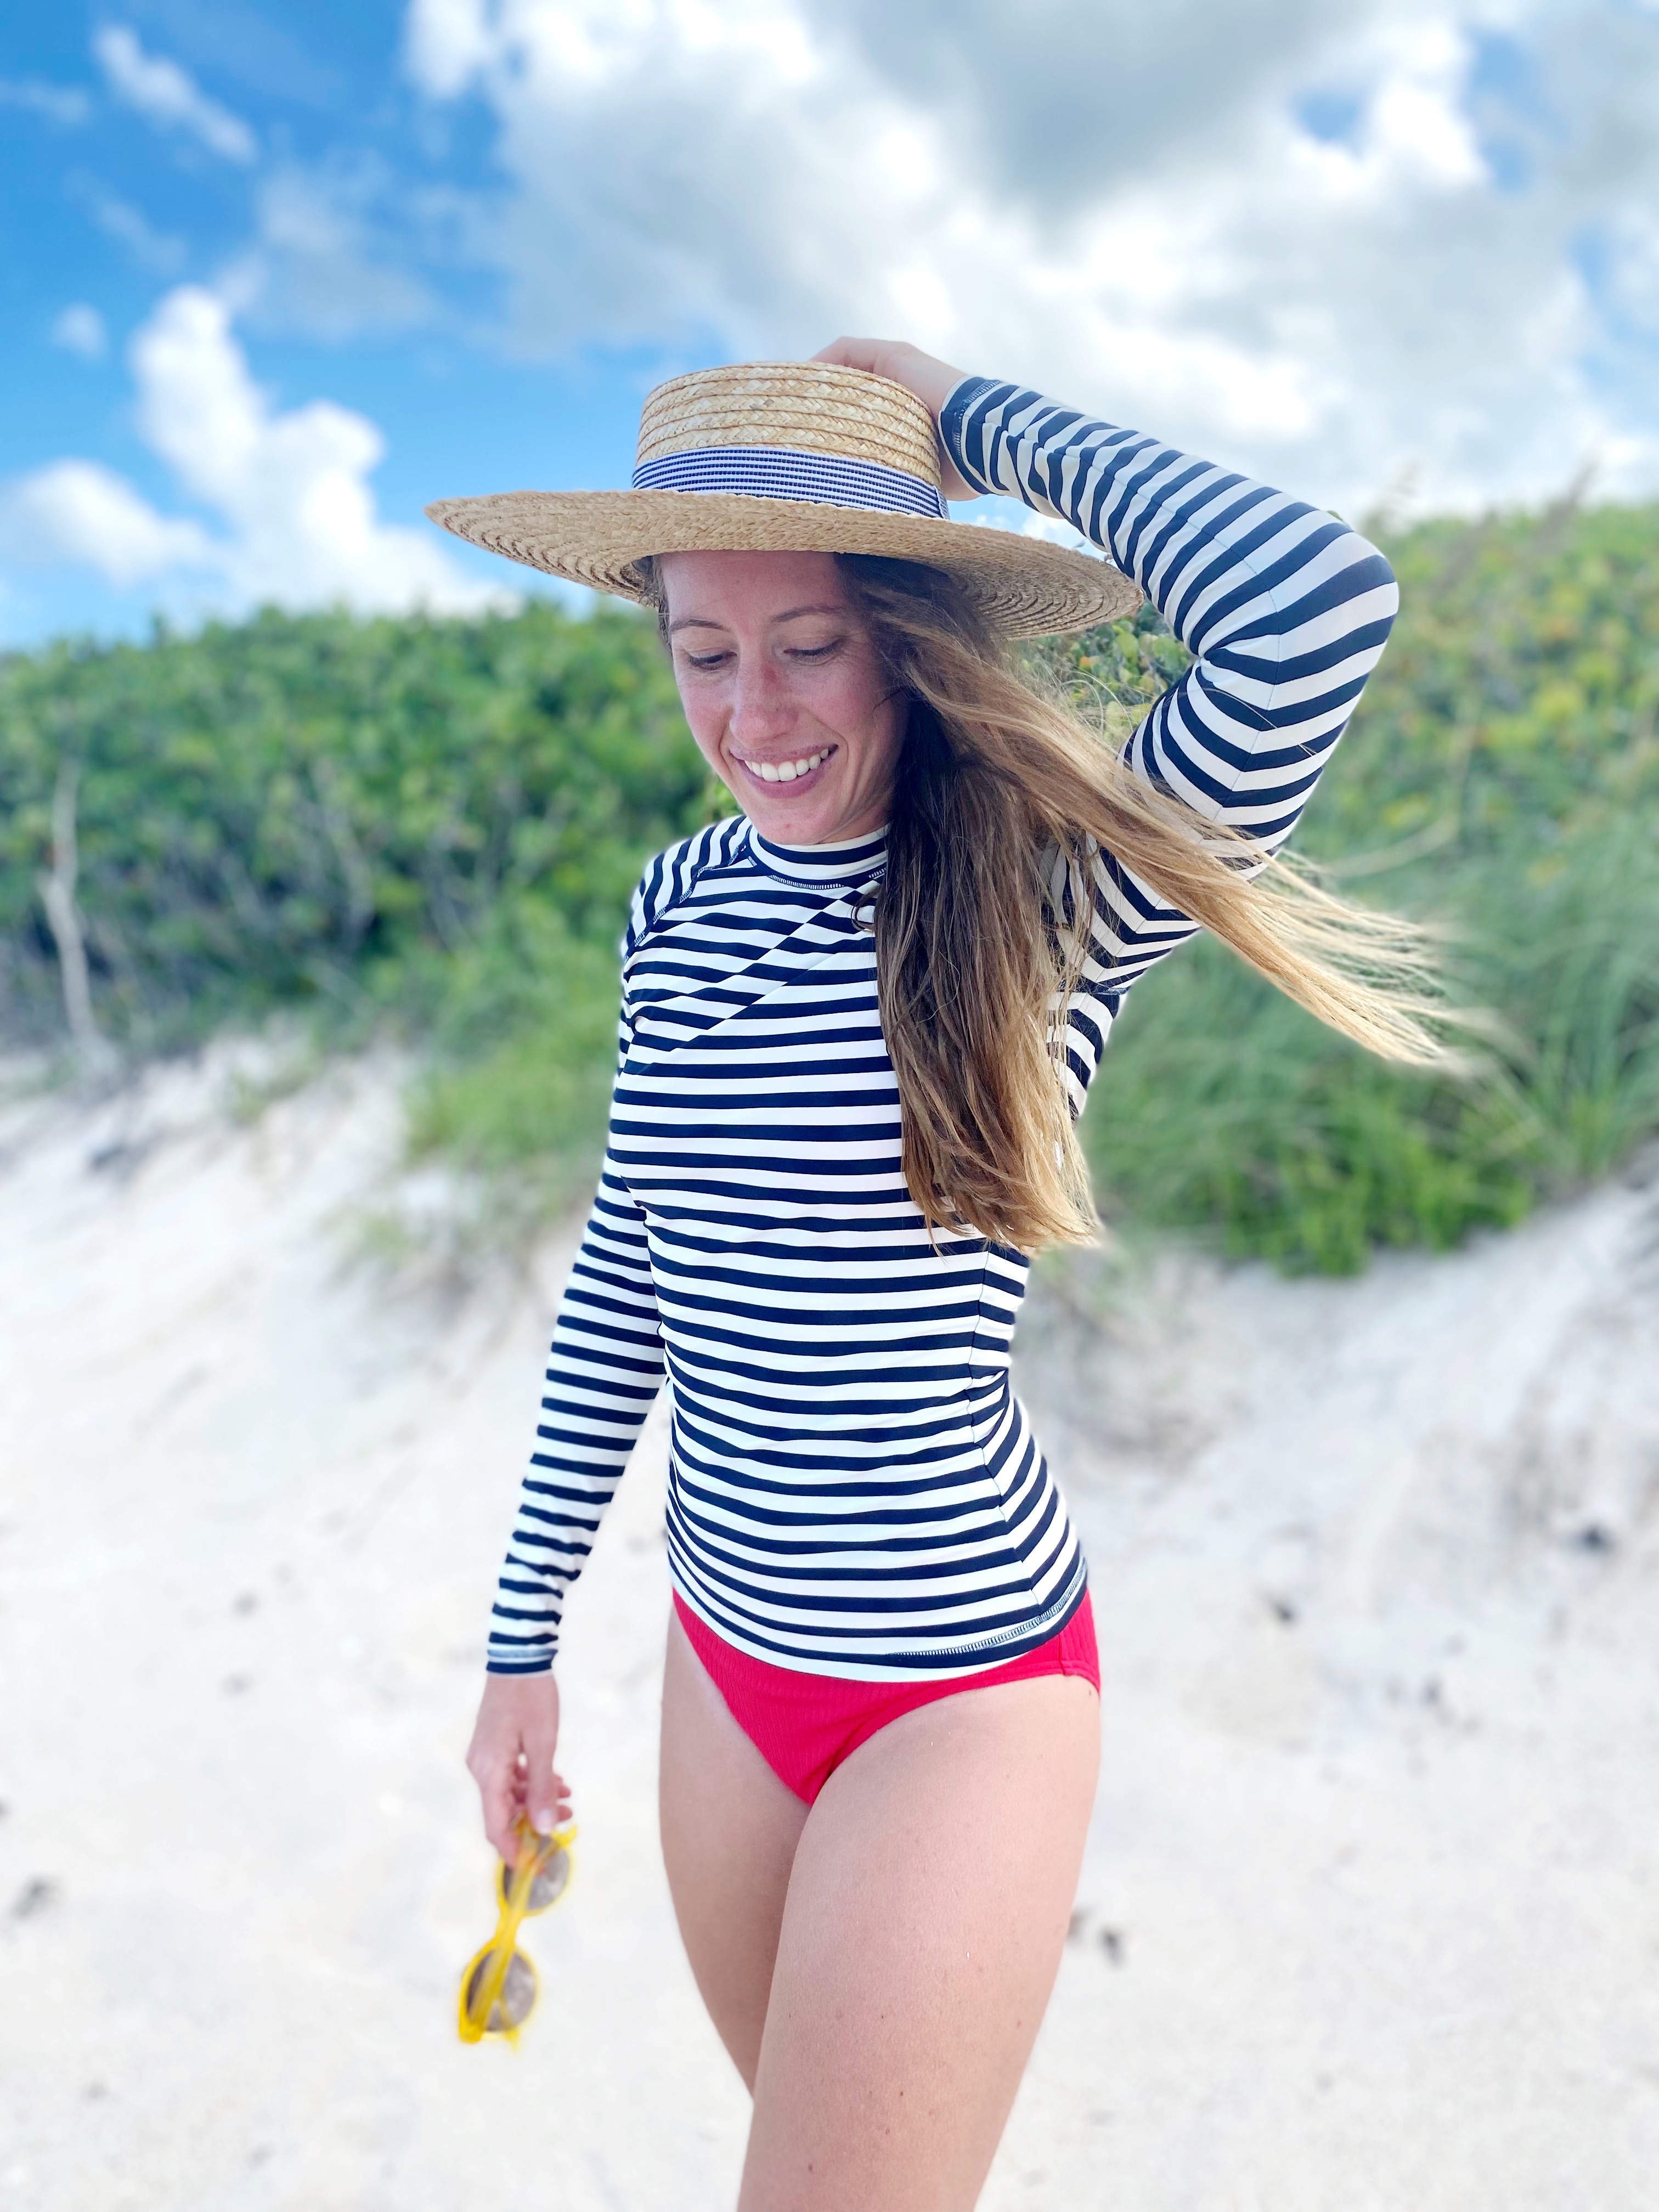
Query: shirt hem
(953, 1664)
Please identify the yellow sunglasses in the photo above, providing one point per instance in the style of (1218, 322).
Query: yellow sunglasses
(498, 1989)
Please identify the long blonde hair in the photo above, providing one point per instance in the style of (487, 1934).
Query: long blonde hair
(1003, 799)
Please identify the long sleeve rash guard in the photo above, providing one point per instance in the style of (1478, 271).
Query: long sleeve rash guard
(853, 1488)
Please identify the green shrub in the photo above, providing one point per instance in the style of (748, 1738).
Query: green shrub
(436, 823)
(524, 1037)
(307, 810)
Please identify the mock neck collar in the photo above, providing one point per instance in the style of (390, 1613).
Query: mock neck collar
(853, 861)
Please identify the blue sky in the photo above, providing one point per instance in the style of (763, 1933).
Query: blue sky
(276, 277)
(112, 211)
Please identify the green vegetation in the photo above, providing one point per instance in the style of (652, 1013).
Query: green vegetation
(435, 825)
(431, 825)
(1502, 778)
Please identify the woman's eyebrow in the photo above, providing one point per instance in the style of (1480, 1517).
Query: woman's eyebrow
(789, 614)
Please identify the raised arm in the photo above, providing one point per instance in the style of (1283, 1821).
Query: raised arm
(1284, 608)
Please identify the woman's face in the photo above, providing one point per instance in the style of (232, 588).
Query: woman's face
(784, 691)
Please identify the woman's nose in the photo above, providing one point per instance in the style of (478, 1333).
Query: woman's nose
(761, 705)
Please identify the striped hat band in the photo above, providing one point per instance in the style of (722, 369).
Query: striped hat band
(782, 473)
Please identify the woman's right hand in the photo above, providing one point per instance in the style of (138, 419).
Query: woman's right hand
(511, 1758)
(932, 380)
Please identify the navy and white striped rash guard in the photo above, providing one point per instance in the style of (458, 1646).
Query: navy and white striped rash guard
(853, 1488)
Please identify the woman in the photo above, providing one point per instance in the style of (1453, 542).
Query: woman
(859, 1018)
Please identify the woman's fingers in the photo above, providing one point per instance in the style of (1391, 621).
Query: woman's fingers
(542, 1787)
(930, 380)
(499, 1802)
(859, 352)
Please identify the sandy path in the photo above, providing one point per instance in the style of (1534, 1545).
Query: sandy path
(1369, 1916)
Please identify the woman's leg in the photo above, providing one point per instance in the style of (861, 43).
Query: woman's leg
(729, 1832)
(927, 1904)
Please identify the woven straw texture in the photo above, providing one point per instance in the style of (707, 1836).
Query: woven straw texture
(1027, 587)
(809, 407)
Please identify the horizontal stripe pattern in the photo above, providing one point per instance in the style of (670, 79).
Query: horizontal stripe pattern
(783, 472)
(1285, 609)
(854, 1490)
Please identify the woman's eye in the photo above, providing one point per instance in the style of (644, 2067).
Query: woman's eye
(708, 663)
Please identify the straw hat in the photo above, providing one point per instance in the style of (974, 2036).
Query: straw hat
(789, 457)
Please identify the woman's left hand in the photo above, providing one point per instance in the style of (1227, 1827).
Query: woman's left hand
(932, 382)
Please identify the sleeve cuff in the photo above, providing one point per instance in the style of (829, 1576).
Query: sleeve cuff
(953, 429)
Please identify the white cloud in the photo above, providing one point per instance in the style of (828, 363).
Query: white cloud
(169, 95)
(296, 518)
(1008, 514)
(79, 512)
(1123, 206)
(79, 328)
(64, 104)
(152, 249)
(325, 261)
(448, 43)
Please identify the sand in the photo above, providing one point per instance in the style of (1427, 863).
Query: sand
(1368, 1918)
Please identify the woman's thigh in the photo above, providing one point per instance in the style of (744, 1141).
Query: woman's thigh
(729, 1832)
(927, 1904)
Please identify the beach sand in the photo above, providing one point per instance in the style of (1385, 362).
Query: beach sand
(1369, 1918)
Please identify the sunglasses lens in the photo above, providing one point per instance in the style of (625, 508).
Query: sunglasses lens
(518, 1997)
(547, 1887)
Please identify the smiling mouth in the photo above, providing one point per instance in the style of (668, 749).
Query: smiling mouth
(786, 771)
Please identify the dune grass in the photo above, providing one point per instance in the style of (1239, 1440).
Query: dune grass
(1223, 1108)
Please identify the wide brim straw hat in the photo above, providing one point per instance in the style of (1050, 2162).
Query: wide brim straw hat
(789, 457)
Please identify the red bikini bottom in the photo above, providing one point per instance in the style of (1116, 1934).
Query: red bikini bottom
(804, 1725)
